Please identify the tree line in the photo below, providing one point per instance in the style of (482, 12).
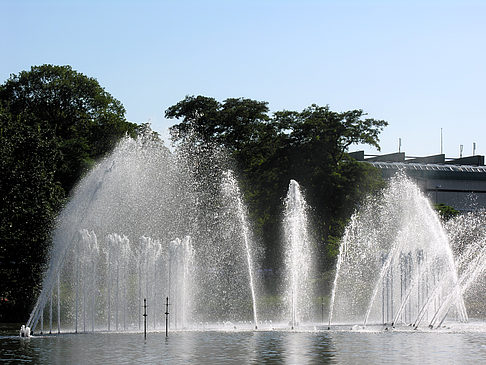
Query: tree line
(56, 122)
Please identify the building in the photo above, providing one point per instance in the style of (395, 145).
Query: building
(459, 182)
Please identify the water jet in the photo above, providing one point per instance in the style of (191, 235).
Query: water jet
(397, 238)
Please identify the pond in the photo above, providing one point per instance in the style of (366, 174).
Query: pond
(341, 346)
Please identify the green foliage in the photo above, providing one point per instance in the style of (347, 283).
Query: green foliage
(54, 124)
(30, 199)
(308, 146)
(234, 123)
(446, 212)
(86, 121)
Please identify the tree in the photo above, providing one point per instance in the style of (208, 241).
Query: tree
(86, 121)
(328, 131)
(30, 200)
(232, 124)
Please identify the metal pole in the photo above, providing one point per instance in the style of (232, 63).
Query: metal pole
(441, 143)
(167, 317)
(145, 318)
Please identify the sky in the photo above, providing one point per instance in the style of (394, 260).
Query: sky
(420, 65)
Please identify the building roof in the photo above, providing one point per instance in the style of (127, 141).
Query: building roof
(432, 171)
(428, 167)
(400, 157)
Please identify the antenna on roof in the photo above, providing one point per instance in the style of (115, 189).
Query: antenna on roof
(441, 143)
(399, 145)
(474, 149)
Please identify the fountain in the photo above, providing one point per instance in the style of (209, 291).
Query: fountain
(179, 277)
(233, 193)
(148, 225)
(118, 242)
(399, 264)
(299, 266)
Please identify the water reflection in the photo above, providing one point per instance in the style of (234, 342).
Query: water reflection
(308, 348)
(409, 347)
(271, 347)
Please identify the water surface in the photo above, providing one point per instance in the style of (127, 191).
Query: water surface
(247, 347)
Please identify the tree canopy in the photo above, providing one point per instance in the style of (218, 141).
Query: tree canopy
(84, 119)
(235, 123)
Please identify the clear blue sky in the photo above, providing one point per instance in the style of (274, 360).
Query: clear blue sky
(420, 65)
